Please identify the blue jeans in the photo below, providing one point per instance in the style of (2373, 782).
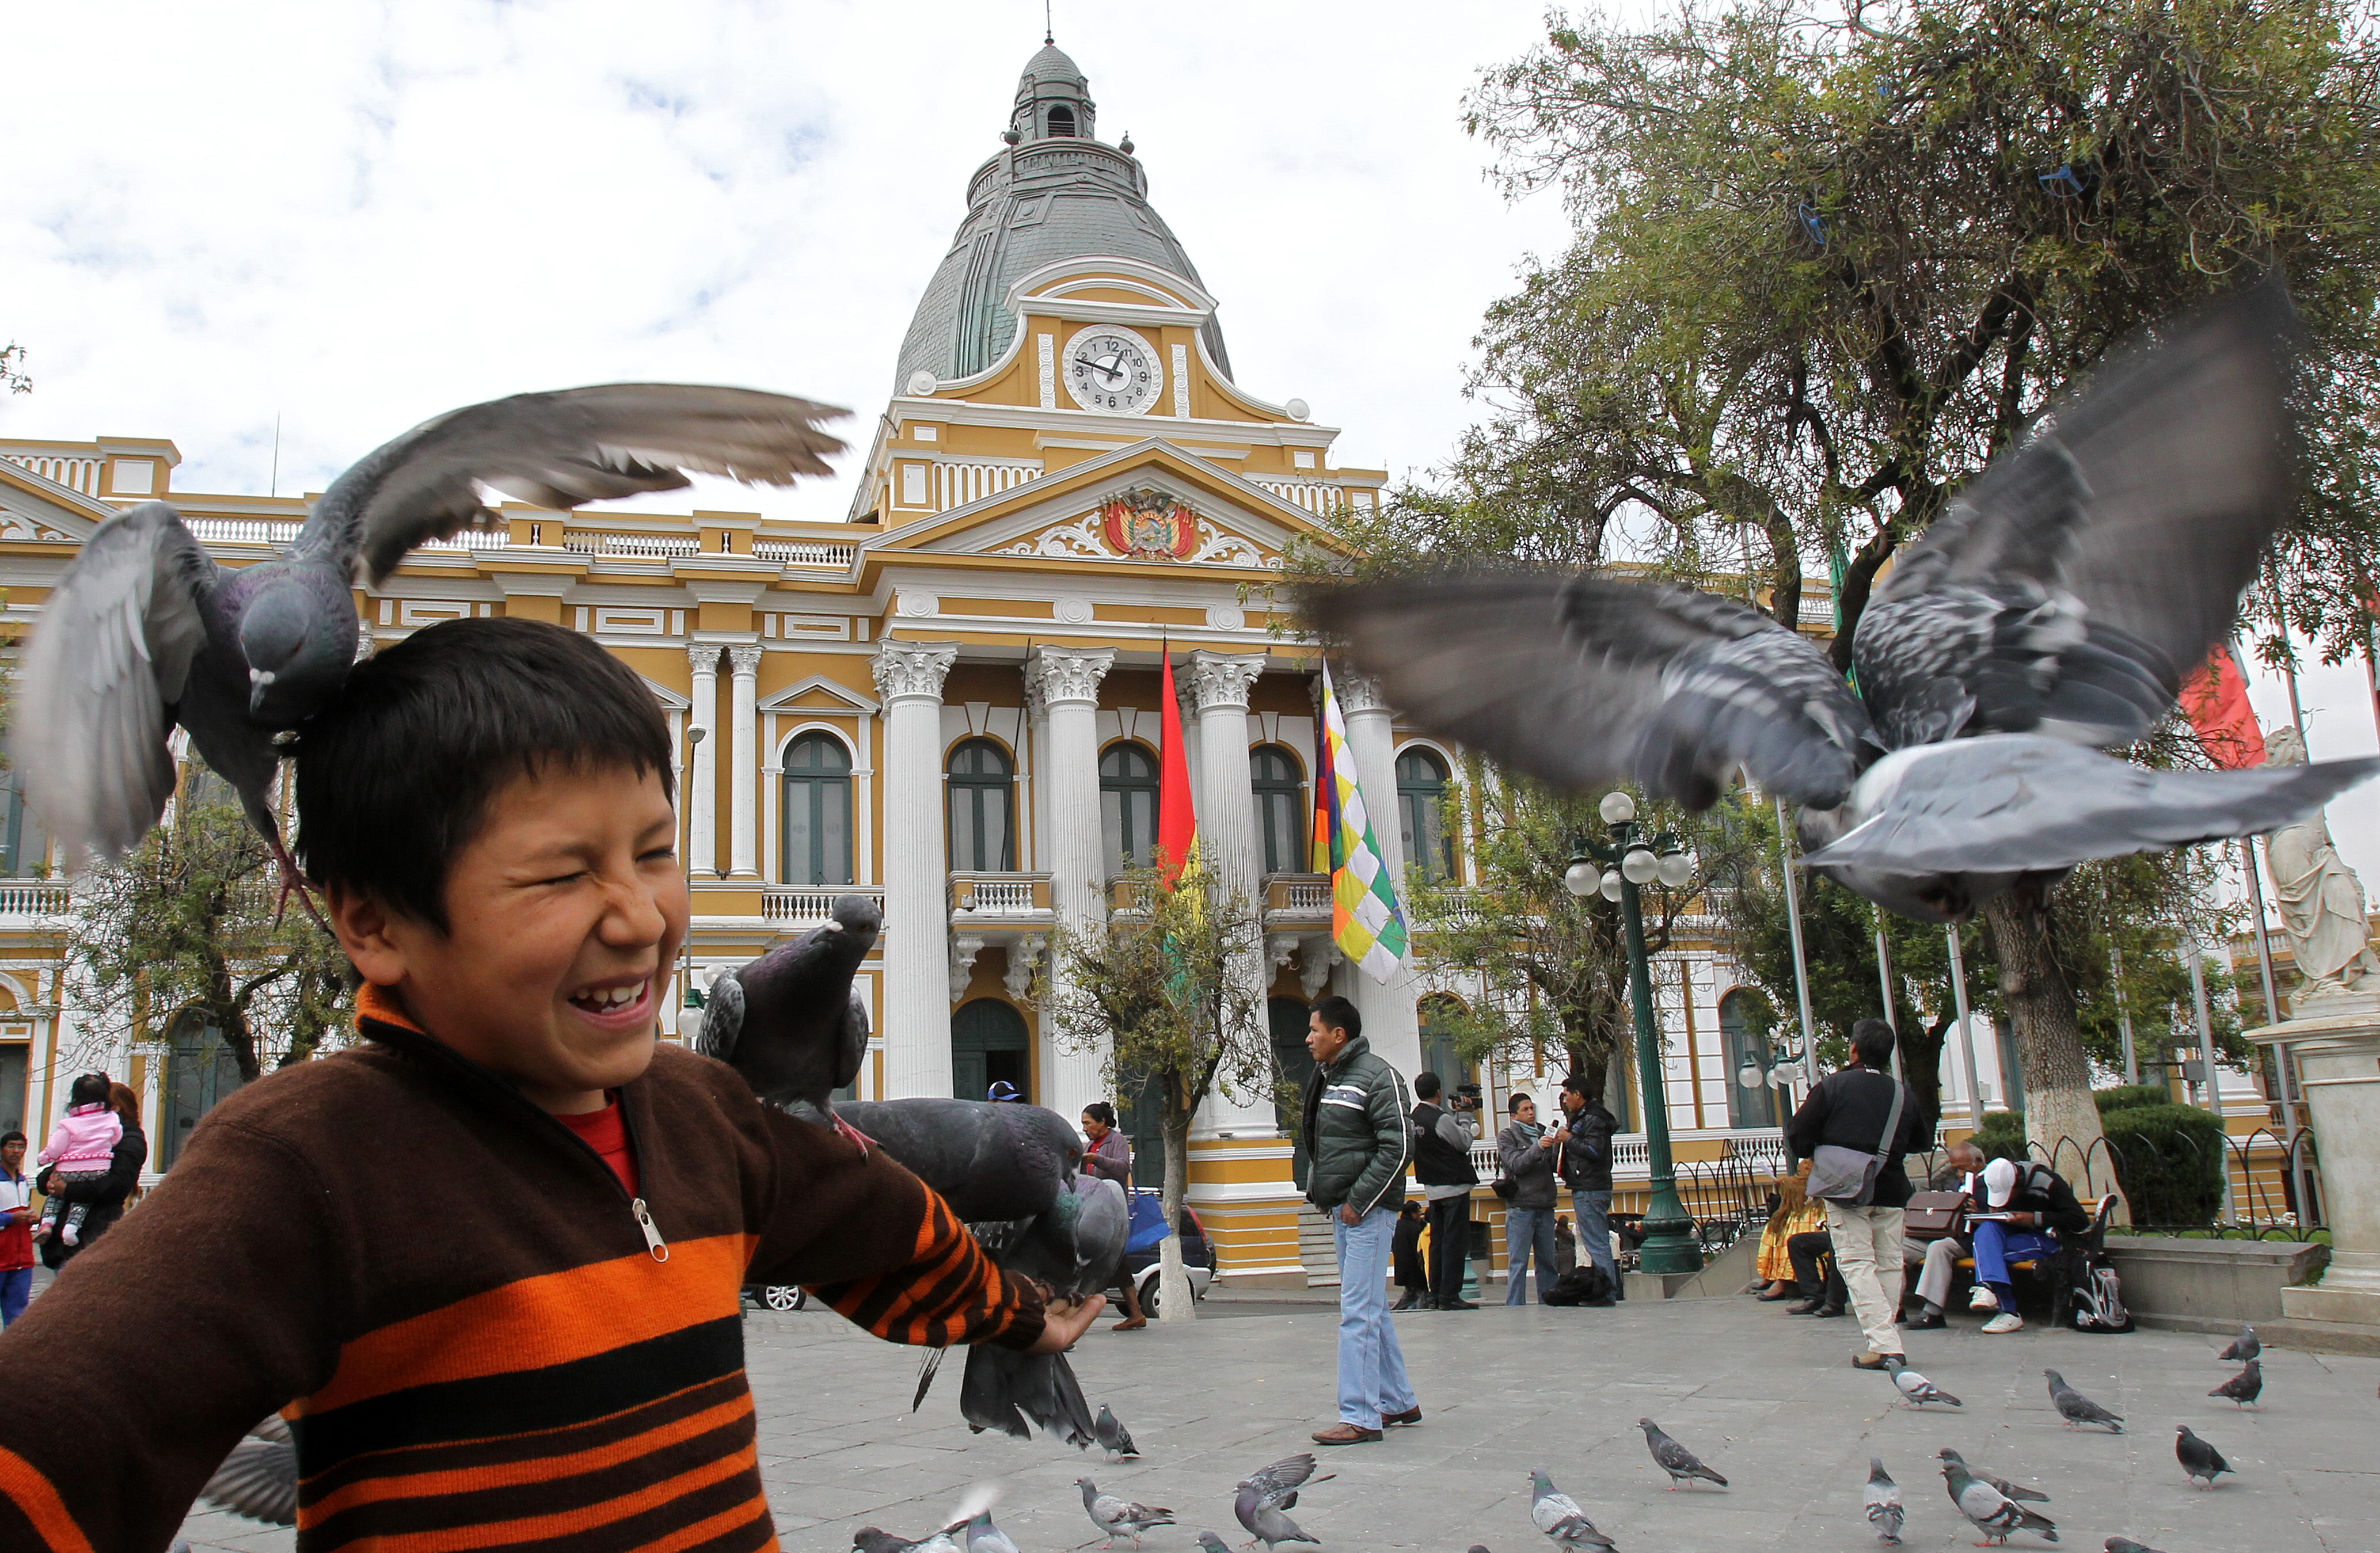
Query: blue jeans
(1528, 1229)
(1591, 1212)
(1995, 1244)
(1371, 1366)
(16, 1288)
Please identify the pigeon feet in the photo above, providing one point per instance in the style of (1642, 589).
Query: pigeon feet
(292, 883)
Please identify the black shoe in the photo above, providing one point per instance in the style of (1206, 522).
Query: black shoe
(1807, 1307)
(1926, 1321)
(1405, 1304)
(1457, 1304)
(1825, 1311)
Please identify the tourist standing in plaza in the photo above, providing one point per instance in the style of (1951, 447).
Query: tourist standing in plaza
(1111, 1159)
(1356, 1118)
(1584, 1161)
(1442, 1140)
(1527, 1151)
(1867, 1111)
(15, 1229)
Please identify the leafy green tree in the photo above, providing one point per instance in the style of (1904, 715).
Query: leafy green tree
(1167, 993)
(12, 369)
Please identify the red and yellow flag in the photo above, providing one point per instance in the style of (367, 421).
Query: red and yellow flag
(2214, 698)
(1177, 820)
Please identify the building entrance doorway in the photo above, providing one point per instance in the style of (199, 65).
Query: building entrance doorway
(989, 1045)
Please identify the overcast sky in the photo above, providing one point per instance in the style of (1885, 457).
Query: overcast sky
(352, 217)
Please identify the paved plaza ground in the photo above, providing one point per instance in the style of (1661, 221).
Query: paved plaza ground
(1766, 1399)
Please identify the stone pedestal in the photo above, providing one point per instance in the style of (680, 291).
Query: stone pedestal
(2336, 1043)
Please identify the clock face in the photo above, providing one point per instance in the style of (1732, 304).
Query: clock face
(1114, 371)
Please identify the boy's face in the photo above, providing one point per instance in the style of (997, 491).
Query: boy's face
(563, 914)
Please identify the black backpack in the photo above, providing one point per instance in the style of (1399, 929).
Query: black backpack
(2094, 1298)
(1584, 1284)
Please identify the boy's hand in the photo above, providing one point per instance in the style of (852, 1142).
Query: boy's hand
(1063, 1323)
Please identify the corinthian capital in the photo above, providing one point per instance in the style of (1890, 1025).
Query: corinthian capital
(703, 658)
(745, 660)
(1221, 680)
(1357, 693)
(912, 669)
(1069, 673)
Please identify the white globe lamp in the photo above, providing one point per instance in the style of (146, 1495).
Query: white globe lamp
(1617, 808)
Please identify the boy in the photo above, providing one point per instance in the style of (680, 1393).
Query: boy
(538, 1340)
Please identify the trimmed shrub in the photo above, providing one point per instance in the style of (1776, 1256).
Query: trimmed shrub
(2002, 1136)
(2131, 1097)
(2169, 1161)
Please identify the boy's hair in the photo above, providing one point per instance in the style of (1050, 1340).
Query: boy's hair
(89, 1090)
(1338, 1014)
(1872, 1043)
(396, 775)
(1425, 1087)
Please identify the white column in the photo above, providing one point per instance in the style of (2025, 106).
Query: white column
(743, 780)
(1064, 684)
(702, 811)
(1389, 1018)
(917, 1009)
(1219, 685)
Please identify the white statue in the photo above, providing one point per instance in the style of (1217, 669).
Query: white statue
(2322, 901)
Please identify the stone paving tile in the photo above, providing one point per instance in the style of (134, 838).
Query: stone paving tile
(1766, 1399)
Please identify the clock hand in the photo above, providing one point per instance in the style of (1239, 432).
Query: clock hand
(1109, 367)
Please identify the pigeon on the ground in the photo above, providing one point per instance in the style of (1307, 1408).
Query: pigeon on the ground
(1210, 1543)
(792, 1023)
(2243, 1387)
(259, 1479)
(1992, 1511)
(1558, 1515)
(2126, 1544)
(2246, 1346)
(2013, 1490)
(1119, 1517)
(870, 1539)
(1914, 1388)
(982, 1536)
(1263, 1495)
(1477, 1547)
(2198, 1459)
(1681, 1463)
(1884, 1511)
(2076, 1408)
(1113, 1438)
(2052, 611)
(146, 630)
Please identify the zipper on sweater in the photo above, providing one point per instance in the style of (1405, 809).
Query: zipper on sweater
(653, 1242)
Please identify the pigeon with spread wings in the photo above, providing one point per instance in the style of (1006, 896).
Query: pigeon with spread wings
(2052, 608)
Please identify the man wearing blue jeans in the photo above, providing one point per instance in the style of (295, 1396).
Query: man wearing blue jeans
(2038, 1206)
(1356, 1148)
(15, 1229)
(1526, 1152)
(1584, 1161)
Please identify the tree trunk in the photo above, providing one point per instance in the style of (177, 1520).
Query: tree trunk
(1921, 1064)
(2061, 1121)
(1174, 1300)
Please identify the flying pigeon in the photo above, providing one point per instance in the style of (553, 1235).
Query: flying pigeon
(2052, 611)
(792, 1023)
(2013, 1490)
(1681, 1463)
(2246, 1346)
(1883, 1501)
(1558, 1515)
(1914, 1388)
(982, 1536)
(2076, 1408)
(1113, 1438)
(146, 631)
(870, 1539)
(1994, 1512)
(259, 1479)
(2198, 1459)
(2125, 1545)
(1117, 1518)
(2243, 1387)
(1263, 1495)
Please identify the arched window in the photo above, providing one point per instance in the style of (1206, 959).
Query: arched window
(1281, 808)
(1128, 805)
(816, 821)
(1286, 1019)
(1745, 1021)
(1421, 813)
(1438, 1013)
(200, 1070)
(982, 799)
(1062, 120)
(988, 1046)
(22, 844)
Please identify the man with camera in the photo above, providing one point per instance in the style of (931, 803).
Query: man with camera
(1442, 1138)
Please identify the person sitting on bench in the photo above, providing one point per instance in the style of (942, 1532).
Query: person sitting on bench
(2025, 1207)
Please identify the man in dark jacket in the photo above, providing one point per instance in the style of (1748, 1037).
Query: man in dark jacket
(2039, 1207)
(1527, 1152)
(1852, 1110)
(1442, 1164)
(1584, 1161)
(1356, 1149)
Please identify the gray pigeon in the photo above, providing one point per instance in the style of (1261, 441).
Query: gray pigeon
(1477, 1547)
(1994, 1512)
(2245, 1386)
(1113, 1438)
(2058, 602)
(1263, 1495)
(2246, 1346)
(1883, 1502)
(2013, 1490)
(2198, 1459)
(1681, 1463)
(791, 1023)
(982, 1536)
(1558, 1515)
(259, 1479)
(1210, 1543)
(870, 1539)
(1118, 1518)
(2076, 1408)
(2125, 1545)
(146, 631)
(1914, 1388)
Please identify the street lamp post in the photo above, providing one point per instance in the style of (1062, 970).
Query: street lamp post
(1668, 1234)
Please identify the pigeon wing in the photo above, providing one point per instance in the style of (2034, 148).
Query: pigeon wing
(1580, 680)
(259, 1479)
(722, 1016)
(559, 449)
(1282, 1478)
(112, 656)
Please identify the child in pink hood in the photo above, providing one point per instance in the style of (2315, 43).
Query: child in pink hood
(81, 1145)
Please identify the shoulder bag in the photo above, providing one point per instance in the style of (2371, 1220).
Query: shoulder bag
(1847, 1176)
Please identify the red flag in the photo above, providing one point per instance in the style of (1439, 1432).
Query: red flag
(1177, 823)
(2214, 698)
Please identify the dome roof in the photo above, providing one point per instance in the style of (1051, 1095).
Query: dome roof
(1056, 194)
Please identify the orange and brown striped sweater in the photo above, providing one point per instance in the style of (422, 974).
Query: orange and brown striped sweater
(455, 1303)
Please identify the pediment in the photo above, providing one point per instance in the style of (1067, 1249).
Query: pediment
(817, 693)
(32, 507)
